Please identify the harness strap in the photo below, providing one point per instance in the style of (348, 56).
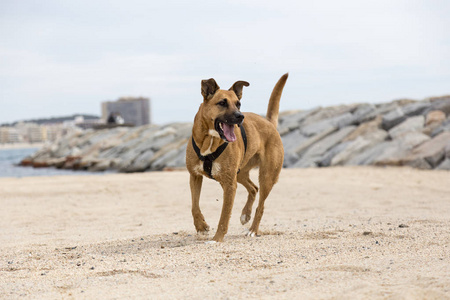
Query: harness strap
(244, 137)
(208, 159)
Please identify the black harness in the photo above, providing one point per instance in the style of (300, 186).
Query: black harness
(208, 159)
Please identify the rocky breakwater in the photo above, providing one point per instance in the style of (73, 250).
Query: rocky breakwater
(398, 133)
(124, 149)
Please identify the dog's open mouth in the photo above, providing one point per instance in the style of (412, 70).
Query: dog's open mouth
(226, 131)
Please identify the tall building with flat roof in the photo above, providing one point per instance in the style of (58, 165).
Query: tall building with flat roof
(134, 110)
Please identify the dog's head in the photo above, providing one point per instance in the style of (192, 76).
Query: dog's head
(221, 108)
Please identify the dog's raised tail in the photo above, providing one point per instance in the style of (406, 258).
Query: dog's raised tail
(274, 101)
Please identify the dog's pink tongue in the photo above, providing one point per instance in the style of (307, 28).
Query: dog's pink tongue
(228, 131)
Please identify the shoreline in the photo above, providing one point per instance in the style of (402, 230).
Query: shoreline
(10, 146)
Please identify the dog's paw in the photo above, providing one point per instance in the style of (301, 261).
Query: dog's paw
(203, 233)
(210, 242)
(245, 218)
(202, 228)
(250, 233)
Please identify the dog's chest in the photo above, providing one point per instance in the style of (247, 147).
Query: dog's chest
(215, 170)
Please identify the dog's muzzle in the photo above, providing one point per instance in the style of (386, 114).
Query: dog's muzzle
(225, 126)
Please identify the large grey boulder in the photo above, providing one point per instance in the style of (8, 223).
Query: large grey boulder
(322, 146)
(441, 103)
(433, 120)
(380, 110)
(447, 150)
(128, 154)
(368, 156)
(139, 164)
(292, 139)
(163, 137)
(392, 118)
(313, 155)
(431, 152)
(445, 126)
(295, 151)
(365, 129)
(325, 160)
(363, 113)
(445, 165)
(310, 141)
(434, 117)
(178, 160)
(394, 151)
(338, 121)
(292, 121)
(167, 154)
(101, 165)
(101, 136)
(416, 108)
(328, 113)
(358, 146)
(412, 139)
(415, 123)
(307, 162)
(290, 159)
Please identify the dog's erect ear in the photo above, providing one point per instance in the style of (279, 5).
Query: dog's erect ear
(237, 88)
(209, 87)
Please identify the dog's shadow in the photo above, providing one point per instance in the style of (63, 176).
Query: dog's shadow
(164, 241)
(161, 242)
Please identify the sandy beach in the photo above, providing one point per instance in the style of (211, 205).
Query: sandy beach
(334, 233)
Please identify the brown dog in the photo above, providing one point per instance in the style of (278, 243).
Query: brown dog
(227, 144)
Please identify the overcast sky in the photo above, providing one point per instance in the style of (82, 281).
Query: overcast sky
(64, 57)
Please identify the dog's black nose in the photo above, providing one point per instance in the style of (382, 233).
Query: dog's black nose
(239, 116)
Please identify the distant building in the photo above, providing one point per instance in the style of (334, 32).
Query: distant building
(54, 131)
(31, 132)
(9, 135)
(133, 110)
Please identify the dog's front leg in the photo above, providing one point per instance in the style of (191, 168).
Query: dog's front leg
(229, 192)
(199, 220)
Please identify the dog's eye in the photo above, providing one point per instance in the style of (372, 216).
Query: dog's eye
(238, 105)
(223, 103)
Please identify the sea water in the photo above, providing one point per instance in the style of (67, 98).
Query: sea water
(10, 158)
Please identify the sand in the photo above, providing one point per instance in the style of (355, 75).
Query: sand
(334, 233)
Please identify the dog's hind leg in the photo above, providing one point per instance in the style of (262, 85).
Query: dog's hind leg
(244, 179)
(199, 220)
(267, 180)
